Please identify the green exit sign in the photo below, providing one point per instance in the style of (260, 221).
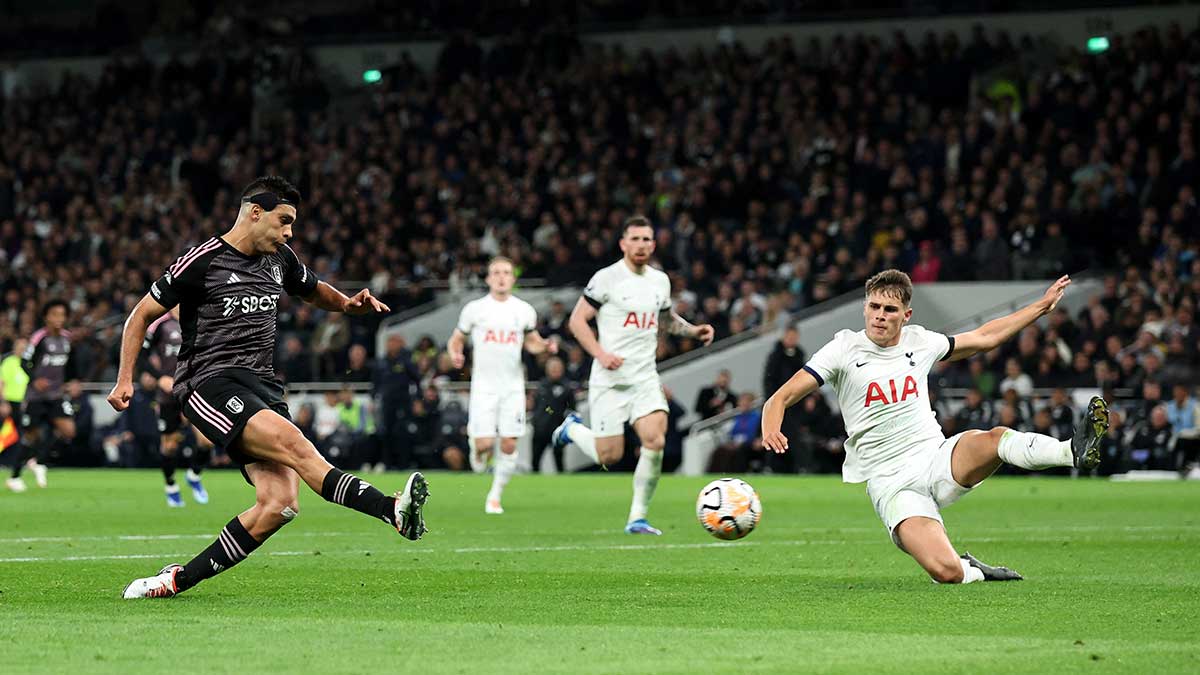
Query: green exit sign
(372, 76)
(1097, 44)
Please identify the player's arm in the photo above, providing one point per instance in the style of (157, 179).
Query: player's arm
(536, 344)
(331, 299)
(991, 334)
(578, 323)
(132, 336)
(672, 323)
(797, 387)
(456, 347)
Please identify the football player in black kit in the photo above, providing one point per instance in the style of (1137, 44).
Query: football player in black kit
(227, 289)
(178, 440)
(47, 416)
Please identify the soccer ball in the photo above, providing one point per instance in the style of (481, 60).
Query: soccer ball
(728, 508)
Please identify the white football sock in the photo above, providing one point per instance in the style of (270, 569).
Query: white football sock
(1034, 451)
(645, 480)
(970, 573)
(506, 466)
(585, 438)
(478, 462)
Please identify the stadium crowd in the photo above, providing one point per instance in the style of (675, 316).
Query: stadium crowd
(776, 180)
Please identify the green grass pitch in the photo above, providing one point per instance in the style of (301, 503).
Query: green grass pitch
(554, 586)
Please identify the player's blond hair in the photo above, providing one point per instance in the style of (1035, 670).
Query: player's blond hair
(500, 259)
(892, 283)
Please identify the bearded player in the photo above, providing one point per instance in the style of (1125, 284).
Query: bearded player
(499, 325)
(895, 445)
(631, 303)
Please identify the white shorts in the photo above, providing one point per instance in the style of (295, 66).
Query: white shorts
(492, 413)
(923, 488)
(610, 407)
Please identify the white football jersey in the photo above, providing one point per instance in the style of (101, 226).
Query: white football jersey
(884, 396)
(497, 331)
(627, 306)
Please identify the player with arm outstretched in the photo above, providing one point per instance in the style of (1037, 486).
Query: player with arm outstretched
(163, 340)
(499, 325)
(227, 289)
(895, 445)
(631, 303)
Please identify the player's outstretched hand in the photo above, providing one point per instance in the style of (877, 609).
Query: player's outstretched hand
(119, 397)
(775, 441)
(363, 302)
(609, 360)
(705, 333)
(1055, 292)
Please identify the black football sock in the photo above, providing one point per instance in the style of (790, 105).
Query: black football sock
(199, 460)
(232, 546)
(349, 490)
(168, 468)
(20, 453)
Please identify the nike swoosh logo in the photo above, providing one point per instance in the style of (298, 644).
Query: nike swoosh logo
(860, 365)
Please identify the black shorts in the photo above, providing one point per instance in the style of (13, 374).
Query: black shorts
(221, 405)
(36, 414)
(170, 416)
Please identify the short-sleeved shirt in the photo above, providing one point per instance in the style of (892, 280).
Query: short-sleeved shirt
(164, 338)
(497, 330)
(627, 310)
(228, 307)
(46, 356)
(884, 396)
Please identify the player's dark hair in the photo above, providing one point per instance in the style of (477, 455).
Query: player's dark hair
(636, 221)
(279, 186)
(892, 283)
(55, 302)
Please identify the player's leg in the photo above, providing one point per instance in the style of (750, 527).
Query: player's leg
(510, 425)
(168, 448)
(483, 418)
(270, 437)
(979, 453)
(604, 441)
(62, 433)
(506, 466)
(249, 419)
(651, 431)
(198, 458)
(276, 490)
(25, 447)
(925, 540)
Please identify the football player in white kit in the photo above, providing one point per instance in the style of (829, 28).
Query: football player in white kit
(631, 303)
(895, 444)
(499, 325)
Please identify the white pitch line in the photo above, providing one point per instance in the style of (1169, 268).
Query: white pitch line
(815, 530)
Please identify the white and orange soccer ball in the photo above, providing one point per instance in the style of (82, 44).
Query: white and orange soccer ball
(728, 508)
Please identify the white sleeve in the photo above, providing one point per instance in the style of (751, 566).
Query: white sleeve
(530, 321)
(596, 292)
(939, 345)
(826, 364)
(666, 283)
(466, 319)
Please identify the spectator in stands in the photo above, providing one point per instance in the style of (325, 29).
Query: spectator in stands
(396, 377)
(1062, 415)
(1016, 379)
(357, 367)
(452, 436)
(715, 398)
(1183, 412)
(741, 448)
(976, 413)
(819, 445)
(673, 447)
(555, 395)
(786, 358)
(1152, 443)
(982, 378)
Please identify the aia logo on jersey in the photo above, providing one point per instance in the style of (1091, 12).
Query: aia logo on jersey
(875, 392)
(501, 337)
(643, 320)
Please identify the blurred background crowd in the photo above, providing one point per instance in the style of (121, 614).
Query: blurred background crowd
(776, 178)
